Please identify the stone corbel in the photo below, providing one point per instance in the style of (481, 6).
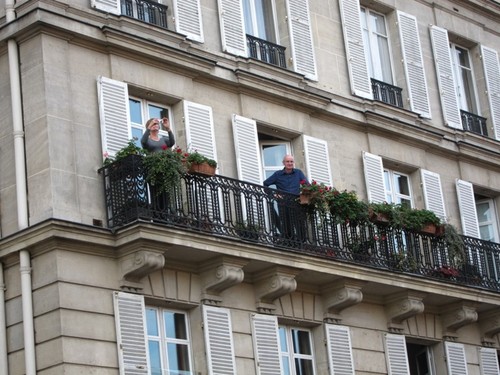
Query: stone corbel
(339, 296)
(139, 264)
(272, 284)
(457, 316)
(401, 306)
(219, 275)
(489, 325)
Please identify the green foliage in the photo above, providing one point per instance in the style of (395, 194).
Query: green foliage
(164, 169)
(197, 158)
(454, 245)
(413, 219)
(346, 207)
(130, 149)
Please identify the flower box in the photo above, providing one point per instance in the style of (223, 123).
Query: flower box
(305, 198)
(203, 169)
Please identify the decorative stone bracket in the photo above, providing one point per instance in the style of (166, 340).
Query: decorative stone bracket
(272, 284)
(340, 295)
(139, 264)
(402, 306)
(489, 324)
(457, 316)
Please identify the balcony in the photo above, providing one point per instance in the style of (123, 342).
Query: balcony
(474, 123)
(145, 11)
(244, 212)
(265, 51)
(387, 93)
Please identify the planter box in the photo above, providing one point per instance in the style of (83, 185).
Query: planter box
(203, 169)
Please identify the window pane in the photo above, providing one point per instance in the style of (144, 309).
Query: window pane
(248, 17)
(301, 344)
(283, 343)
(152, 322)
(178, 358)
(286, 365)
(175, 325)
(135, 111)
(154, 357)
(303, 366)
(401, 183)
(157, 112)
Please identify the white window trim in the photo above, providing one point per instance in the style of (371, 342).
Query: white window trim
(458, 78)
(291, 355)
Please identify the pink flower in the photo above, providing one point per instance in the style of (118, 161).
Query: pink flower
(105, 154)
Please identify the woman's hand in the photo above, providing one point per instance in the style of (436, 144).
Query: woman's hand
(166, 123)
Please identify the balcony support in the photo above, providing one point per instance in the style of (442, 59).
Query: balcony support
(339, 296)
(489, 324)
(137, 265)
(457, 316)
(273, 284)
(218, 276)
(402, 306)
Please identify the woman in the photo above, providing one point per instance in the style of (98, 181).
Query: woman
(152, 140)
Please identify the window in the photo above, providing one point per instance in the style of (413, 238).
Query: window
(168, 342)
(487, 220)
(420, 359)
(260, 19)
(272, 156)
(397, 188)
(464, 79)
(296, 351)
(152, 11)
(142, 110)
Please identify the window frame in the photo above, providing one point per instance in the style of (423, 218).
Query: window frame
(493, 220)
(256, 18)
(464, 95)
(273, 168)
(391, 195)
(145, 115)
(290, 354)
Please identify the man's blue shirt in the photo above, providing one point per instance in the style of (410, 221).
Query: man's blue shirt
(289, 182)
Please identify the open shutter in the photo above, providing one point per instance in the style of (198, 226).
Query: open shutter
(232, 28)
(108, 6)
(317, 160)
(488, 361)
(131, 335)
(247, 150)
(446, 80)
(395, 351)
(266, 344)
(492, 75)
(218, 341)
(200, 129)
(374, 177)
(433, 193)
(301, 38)
(455, 358)
(339, 350)
(414, 64)
(355, 52)
(467, 205)
(187, 16)
(114, 114)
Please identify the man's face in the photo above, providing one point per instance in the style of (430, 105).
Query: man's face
(288, 163)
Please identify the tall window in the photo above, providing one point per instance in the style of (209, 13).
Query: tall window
(466, 90)
(487, 220)
(420, 359)
(272, 156)
(260, 19)
(142, 110)
(168, 342)
(397, 188)
(296, 351)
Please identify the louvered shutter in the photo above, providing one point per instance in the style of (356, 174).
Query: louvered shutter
(266, 343)
(218, 341)
(455, 358)
(433, 193)
(446, 80)
(488, 361)
(247, 149)
(200, 129)
(114, 114)
(109, 6)
(339, 350)
(467, 205)
(492, 75)
(374, 177)
(414, 64)
(232, 28)
(355, 52)
(188, 19)
(131, 334)
(317, 160)
(395, 351)
(301, 38)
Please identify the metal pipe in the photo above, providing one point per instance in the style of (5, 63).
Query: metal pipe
(4, 368)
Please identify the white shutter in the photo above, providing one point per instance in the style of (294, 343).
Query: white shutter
(467, 205)
(433, 193)
(492, 75)
(200, 129)
(374, 177)
(414, 64)
(446, 80)
(395, 351)
(109, 6)
(188, 21)
(301, 38)
(455, 358)
(355, 52)
(114, 114)
(247, 150)
(488, 361)
(338, 340)
(218, 341)
(317, 160)
(266, 344)
(131, 334)
(232, 28)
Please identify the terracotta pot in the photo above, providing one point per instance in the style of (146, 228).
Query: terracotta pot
(428, 229)
(305, 198)
(379, 218)
(203, 169)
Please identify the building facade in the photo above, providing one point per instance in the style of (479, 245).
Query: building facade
(398, 101)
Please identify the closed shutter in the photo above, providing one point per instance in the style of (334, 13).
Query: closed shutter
(467, 205)
(218, 341)
(455, 358)
(355, 52)
(317, 160)
(200, 129)
(265, 338)
(232, 29)
(301, 38)
(131, 334)
(492, 75)
(488, 361)
(188, 19)
(374, 177)
(446, 80)
(114, 114)
(433, 193)
(339, 350)
(395, 351)
(109, 6)
(247, 150)
(414, 64)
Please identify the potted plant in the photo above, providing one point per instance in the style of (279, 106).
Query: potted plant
(454, 244)
(164, 169)
(381, 213)
(424, 221)
(315, 194)
(200, 164)
(130, 149)
(345, 207)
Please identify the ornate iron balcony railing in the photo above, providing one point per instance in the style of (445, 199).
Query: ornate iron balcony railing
(474, 123)
(268, 52)
(387, 93)
(233, 209)
(146, 11)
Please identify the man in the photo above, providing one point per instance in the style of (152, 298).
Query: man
(287, 179)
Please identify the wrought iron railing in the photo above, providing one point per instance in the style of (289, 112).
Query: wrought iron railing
(247, 212)
(387, 93)
(268, 52)
(474, 123)
(145, 11)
